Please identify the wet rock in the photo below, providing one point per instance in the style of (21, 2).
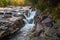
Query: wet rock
(44, 30)
(56, 25)
(11, 25)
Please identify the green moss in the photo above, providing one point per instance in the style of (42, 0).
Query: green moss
(58, 20)
(58, 31)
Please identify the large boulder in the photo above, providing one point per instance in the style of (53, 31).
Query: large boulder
(10, 25)
(43, 32)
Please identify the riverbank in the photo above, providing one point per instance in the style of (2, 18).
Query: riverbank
(38, 26)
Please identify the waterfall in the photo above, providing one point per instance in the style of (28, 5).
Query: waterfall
(29, 20)
(30, 17)
(29, 24)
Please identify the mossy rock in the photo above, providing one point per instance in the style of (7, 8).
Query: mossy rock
(58, 31)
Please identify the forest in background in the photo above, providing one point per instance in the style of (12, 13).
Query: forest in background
(51, 6)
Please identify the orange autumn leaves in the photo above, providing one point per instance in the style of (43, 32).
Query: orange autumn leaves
(4, 3)
(18, 2)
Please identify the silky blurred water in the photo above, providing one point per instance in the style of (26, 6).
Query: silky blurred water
(23, 33)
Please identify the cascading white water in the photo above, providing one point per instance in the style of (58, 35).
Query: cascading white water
(29, 21)
(29, 24)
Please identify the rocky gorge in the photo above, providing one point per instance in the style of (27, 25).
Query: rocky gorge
(45, 28)
(33, 25)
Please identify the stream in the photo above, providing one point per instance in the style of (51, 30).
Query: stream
(23, 34)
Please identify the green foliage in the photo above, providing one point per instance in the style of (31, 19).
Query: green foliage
(3, 2)
(58, 31)
(55, 12)
(52, 6)
(34, 2)
(41, 6)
